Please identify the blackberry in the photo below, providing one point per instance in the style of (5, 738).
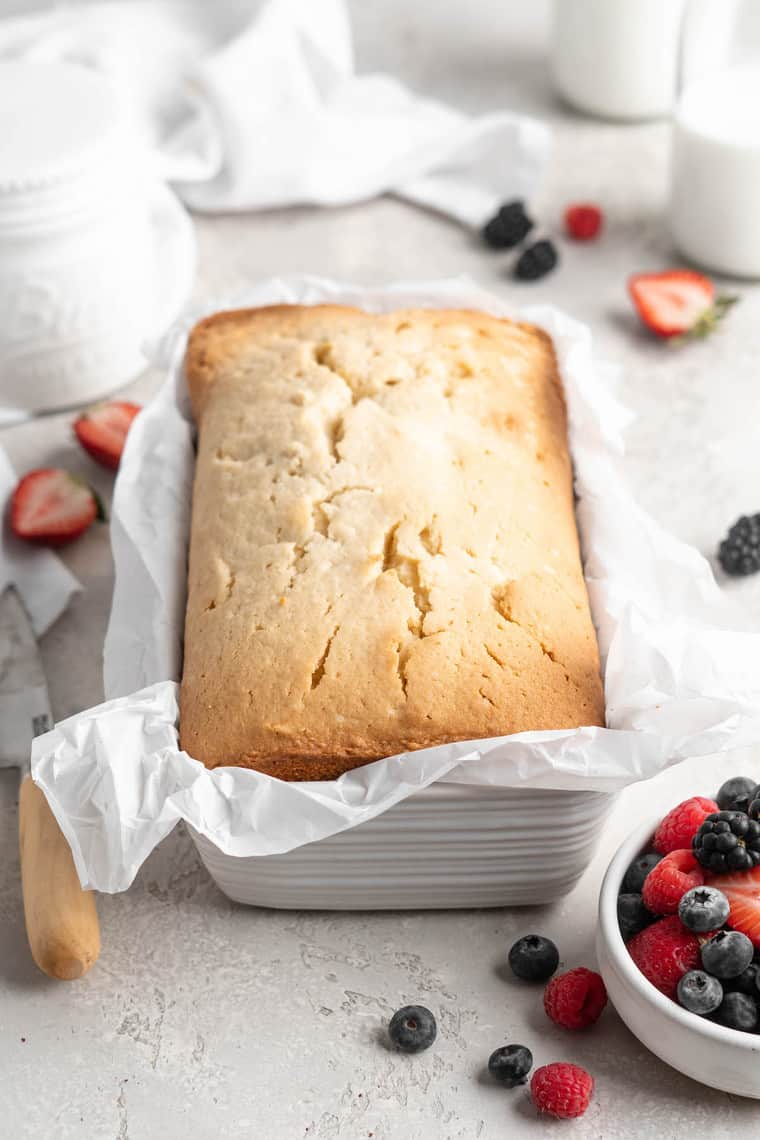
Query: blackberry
(728, 841)
(736, 794)
(727, 954)
(511, 1064)
(534, 958)
(633, 880)
(739, 552)
(536, 261)
(508, 227)
(412, 1028)
(699, 992)
(632, 915)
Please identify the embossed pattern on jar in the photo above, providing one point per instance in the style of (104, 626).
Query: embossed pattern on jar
(80, 284)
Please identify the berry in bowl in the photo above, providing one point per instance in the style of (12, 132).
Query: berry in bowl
(678, 941)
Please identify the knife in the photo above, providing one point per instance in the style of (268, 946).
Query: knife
(61, 918)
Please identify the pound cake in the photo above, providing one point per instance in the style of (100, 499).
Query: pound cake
(383, 552)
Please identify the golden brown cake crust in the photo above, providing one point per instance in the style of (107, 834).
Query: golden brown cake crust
(383, 553)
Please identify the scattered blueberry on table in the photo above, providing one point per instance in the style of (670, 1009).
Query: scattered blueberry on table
(533, 958)
(573, 1000)
(412, 1028)
(511, 1064)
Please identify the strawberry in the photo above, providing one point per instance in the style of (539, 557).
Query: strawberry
(668, 882)
(52, 506)
(682, 823)
(664, 952)
(678, 304)
(742, 889)
(583, 221)
(103, 429)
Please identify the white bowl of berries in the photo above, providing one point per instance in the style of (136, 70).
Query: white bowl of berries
(678, 939)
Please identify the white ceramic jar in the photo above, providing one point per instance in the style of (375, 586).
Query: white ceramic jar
(625, 59)
(618, 59)
(96, 254)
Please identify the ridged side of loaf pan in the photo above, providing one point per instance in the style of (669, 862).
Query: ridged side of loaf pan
(448, 846)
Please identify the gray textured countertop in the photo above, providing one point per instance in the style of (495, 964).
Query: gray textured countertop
(205, 1019)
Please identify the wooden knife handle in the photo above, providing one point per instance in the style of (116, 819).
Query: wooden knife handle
(61, 919)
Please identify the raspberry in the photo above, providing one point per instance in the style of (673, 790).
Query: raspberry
(682, 823)
(668, 882)
(561, 1089)
(583, 221)
(664, 952)
(576, 999)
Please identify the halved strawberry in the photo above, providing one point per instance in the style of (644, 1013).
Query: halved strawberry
(742, 889)
(678, 303)
(103, 429)
(52, 506)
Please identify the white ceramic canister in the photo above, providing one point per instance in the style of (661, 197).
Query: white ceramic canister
(618, 59)
(96, 254)
(715, 177)
(625, 59)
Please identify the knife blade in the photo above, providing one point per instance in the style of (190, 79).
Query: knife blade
(24, 702)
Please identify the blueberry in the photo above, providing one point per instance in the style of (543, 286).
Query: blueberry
(534, 958)
(632, 915)
(510, 1064)
(738, 1011)
(699, 992)
(412, 1028)
(748, 982)
(736, 794)
(633, 880)
(702, 909)
(727, 954)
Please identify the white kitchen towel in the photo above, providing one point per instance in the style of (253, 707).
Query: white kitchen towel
(256, 104)
(44, 583)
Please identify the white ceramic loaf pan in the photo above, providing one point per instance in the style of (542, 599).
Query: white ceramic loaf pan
(451, 845)
(474, 843)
